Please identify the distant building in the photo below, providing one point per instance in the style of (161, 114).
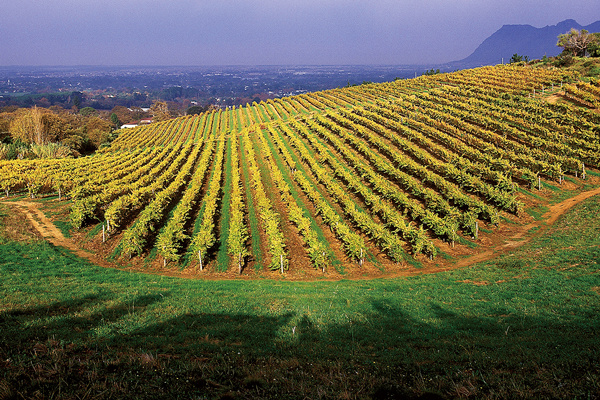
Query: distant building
(144, 109)
(133, 124)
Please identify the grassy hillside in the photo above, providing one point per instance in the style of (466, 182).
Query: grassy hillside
(370, 180)
(485, 177)
(524, 325)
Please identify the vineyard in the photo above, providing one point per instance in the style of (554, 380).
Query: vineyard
(361, 180)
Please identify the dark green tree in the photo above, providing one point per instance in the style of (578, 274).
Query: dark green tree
(76, 98)
(432, 72)
(594, 46)
(194, 110)
(516, 58)
(87, 111)
(115, 120)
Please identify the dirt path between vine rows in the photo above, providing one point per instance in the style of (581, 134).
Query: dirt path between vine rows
(44, 226)
(519, 236)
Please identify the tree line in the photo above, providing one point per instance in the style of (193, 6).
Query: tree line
(58, 132)
(32, 132)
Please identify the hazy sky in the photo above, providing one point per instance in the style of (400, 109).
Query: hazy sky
(218, 32)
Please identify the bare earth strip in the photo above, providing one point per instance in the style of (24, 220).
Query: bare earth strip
(50, 232)
(519, 237)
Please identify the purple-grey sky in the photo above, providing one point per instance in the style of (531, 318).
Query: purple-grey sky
(244, 32)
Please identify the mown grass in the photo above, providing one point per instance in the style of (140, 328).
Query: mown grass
(523, 326)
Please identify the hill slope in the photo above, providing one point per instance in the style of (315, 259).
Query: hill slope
(369, 180)
(521, 39)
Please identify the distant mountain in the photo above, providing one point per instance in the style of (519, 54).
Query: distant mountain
(524, 40)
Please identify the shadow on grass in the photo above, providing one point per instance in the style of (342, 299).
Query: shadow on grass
(68, 320)
(386, 352)
(147, 346)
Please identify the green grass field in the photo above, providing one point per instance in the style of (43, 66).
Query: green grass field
(524, 326)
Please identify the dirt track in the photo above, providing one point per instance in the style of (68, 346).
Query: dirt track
(44, 226)
(519, 235)
(50, 232)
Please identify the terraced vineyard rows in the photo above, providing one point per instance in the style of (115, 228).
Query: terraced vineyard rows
(369, 178)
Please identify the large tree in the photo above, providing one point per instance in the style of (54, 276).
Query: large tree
(6, 119)
(594, 47)
(54, 127)
(97, 131)
(575, 42)
(38, 125)
(160, 111)
(123, 114)
(27, 126)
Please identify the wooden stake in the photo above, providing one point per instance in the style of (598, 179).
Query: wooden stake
(476, 229)
(361, 261)
(103, 234)
(560, 177)
(539, 182)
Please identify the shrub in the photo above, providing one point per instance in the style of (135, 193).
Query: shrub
(50, 150)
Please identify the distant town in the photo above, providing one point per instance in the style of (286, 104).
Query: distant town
(103, 88)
